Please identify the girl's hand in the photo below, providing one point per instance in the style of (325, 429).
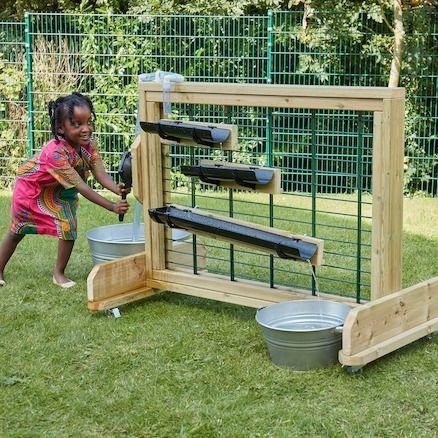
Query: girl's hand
(120, 207)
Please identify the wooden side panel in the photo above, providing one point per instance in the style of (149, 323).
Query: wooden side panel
(116, 277)
(383, 325)
(124, 280)
(388, 150)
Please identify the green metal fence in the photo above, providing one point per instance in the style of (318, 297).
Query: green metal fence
(103, 54)
(343, 58)
(13, 99)
(325, 156)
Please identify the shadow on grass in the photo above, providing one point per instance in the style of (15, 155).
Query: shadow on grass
(174, 299)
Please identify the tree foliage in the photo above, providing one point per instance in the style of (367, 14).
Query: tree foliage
(347, 8)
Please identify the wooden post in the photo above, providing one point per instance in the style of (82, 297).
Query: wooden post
(387, 216)
(155, 248)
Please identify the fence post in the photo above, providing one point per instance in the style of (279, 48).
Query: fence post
(29, 84)
(269, 49)
(269, 81)
(269, 154)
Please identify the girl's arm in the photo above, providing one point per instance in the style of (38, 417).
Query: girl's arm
(119, 207)
(106, 181)
(100, 173)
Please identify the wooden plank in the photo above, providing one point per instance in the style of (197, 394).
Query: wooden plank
(315, 260)
(222, 286)
(395, 188)
(137, 170)
(257, 100)
(121, 299)
(116, 277)
(383, 325)
(387, 208)
(230, 144)
(274, 186)
(143, 167)
(202, 292)
(378, 206)
(323, 91)
(155, 246)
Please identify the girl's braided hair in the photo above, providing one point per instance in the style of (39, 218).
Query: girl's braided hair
(63, 108)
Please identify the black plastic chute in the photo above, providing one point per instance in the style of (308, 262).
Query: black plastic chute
(178, 131)
(250, 176)
(285, 247)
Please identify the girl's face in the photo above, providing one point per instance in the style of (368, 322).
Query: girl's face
(78, 130)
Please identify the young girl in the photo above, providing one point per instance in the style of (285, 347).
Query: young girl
(46, 189)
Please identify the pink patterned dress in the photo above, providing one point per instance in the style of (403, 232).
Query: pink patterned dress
(45, 196)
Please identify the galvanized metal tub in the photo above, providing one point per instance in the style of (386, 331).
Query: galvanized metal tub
(303, 334)
(111, 242)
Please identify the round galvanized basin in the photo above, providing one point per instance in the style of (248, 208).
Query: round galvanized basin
(303, 334)
(111, 242)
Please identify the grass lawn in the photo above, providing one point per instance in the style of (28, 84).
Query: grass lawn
(177, 365)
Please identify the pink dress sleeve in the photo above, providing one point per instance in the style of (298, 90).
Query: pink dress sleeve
(95, 162)
(60, 166)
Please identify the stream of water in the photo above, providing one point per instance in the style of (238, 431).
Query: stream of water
(316, 292)
(137, 223)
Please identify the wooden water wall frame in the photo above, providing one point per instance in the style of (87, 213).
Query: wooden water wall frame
(149, 156)
(147, 274)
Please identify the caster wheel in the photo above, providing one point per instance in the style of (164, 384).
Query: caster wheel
(354, 370)
(114, 312)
